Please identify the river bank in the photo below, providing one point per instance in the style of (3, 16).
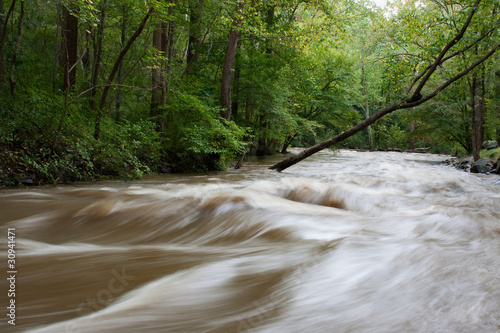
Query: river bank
(15, 172)
(489, 163)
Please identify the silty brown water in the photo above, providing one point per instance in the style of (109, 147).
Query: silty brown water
(346, 242)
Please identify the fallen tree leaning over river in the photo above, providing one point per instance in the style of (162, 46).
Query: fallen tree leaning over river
(416, 97)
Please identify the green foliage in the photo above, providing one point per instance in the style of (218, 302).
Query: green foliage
(35, 148)
(29, 146)
(127, 149)
(195, 131)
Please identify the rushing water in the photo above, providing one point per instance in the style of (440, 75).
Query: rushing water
(347, 242)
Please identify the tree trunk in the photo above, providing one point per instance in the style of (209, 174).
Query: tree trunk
(170, 43)
(70, 56)
(412, 139)
(235, 100)
(97, 55)
(16, 47)
(339, 138)
(232, 43)
(261, 141)
(118, 98)
(109, 81)
(157, 76)
(404, 104)
(367, 106)
(86, 62)
(497, 104)
(477, 101)
(248, 108)
(195, 33)
(287, 142)
(2, 37)
(163, 42)
(4, 21)
(415, 98)
(57, 47)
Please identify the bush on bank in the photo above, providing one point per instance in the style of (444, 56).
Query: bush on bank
(42, 142)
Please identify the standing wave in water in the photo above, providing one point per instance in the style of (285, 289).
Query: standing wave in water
(344, 242)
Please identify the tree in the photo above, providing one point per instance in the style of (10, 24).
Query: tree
(162, 42)
(3, 22)
(16, 47)
(477, 105)
(232, 43)
(195, 32)
(114, 70)
(70, 47)
(99, 36)
(416, 90)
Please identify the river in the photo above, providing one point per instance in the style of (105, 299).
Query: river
(341, 242)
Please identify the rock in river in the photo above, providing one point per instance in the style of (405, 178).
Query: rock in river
(483, 165)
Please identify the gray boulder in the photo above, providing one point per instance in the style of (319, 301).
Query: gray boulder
(483, 165)
(490, 144)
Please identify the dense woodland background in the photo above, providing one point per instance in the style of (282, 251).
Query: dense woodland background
(125, 87)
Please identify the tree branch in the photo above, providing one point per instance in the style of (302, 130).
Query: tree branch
(403, 104)
(417, 93)
(454, 54)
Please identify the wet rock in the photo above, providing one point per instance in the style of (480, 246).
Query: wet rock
(483, 165)
(465, 164)
(27, 181)
(497, 167)
(490, 144)
(462, 164)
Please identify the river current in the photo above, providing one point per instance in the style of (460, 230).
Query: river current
(341, 242)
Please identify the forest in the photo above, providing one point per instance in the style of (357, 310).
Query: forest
(121, 88)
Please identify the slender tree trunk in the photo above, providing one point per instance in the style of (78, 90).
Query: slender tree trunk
(477, 101)
(114, 70)
(86, 61)
(157, 77)
(97, 55)
(287, 142)
(195, 32)
(261, 141)
(118, 99)
(16, 47)
(57, 47)
(2, 36)
(367, 105)
(412, 139)
(70, 56)
(163, 42)
(169, 34)
(232, 44)
(496, 90)
(236, 86)
(248, 108)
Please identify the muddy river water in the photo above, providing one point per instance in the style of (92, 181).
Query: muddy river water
(341, 242)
